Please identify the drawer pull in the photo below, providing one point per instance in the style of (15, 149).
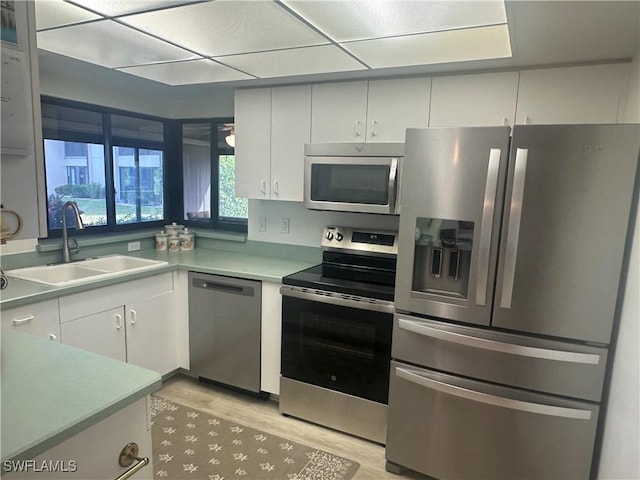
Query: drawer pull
(508, 348)
(503, 402)
(22, 321)
(128, 455)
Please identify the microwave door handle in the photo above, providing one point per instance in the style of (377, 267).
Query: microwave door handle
(393, 185)
(515, 215)
(486, 229)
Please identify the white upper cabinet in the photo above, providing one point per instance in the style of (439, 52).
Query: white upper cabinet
(394, 106)
(586, 94)
(272, 127)
(290, 131)
(253, 142)
(487, 99)
(339, 112)
(375, 111)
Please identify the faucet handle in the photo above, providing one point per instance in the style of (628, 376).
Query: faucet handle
(76, 248)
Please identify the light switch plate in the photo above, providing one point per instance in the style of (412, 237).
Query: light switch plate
(133, 246)
(262, 224)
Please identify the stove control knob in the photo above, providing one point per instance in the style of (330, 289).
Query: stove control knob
(339, 237)
(329, 236)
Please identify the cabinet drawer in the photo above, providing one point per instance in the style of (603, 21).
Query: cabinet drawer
(449, 427)
(39, 318)
(102, 299)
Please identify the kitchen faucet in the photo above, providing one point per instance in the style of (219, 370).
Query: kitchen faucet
(66, 252)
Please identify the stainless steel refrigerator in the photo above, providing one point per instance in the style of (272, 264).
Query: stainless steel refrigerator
(512, 250)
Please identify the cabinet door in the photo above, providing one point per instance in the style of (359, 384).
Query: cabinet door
(271, 338)
(253, 142)
(290, 131)
(394, 106)
(102, 333)
(484, 100)
(40, 319)
(151, 333)
(571, 95)
(339, 112)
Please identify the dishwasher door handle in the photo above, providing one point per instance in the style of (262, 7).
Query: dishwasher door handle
(223, 287)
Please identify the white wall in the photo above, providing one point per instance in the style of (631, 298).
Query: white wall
(64, 77)
(619, 458)
(305, 226)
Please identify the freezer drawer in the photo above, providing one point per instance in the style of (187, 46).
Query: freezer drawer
(453, 428)
(547, 366)
(224, 329)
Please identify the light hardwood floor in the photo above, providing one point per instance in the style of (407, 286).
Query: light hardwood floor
(264, 415)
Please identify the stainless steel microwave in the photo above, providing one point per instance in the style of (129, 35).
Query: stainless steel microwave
(353, 177)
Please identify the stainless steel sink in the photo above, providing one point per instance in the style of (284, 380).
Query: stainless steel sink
(85, 270)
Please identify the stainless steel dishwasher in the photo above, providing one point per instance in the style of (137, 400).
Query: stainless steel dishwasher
(224, 330)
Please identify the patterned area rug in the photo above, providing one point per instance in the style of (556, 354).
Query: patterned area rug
(190, 444)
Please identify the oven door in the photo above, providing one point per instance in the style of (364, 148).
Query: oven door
(336, 344)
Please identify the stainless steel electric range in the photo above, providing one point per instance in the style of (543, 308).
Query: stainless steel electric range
(337, 321)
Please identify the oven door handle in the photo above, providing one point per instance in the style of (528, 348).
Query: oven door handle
(339, 299)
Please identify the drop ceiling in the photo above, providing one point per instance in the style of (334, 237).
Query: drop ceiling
(180, 43)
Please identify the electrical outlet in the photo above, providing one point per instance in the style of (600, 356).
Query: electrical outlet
(262, 224)
(284, 226)
(133, 246)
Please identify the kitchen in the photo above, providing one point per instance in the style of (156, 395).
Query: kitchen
(306, 227)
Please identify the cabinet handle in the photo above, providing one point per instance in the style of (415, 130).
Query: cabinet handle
(53, 336)
(118, 321)
(276, 187)
(358, 123)
(22, 321)
(134, 315)
(263, 187)
(373, 128)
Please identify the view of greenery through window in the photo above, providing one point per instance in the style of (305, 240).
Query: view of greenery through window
(230, 206)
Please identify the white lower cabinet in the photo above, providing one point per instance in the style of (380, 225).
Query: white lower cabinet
(141, 331)
(39, 318)
(93, 453)
(271, 338)
(102, 333)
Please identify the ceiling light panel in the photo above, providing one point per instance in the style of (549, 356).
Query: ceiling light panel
(187, 73)
(430, 48)
(296, 61)
(357, 20)
(109, 44)
(226, 28)
(54, 13)
(114, 8)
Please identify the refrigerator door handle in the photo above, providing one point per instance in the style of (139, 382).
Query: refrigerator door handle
(502, 402)
(495, 346)
(487, 225)
(515, 215)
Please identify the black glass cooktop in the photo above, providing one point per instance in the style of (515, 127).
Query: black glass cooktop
(350, 280)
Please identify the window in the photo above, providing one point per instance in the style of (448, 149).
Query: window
(128, 171)
(208, 176)
(115, 188)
